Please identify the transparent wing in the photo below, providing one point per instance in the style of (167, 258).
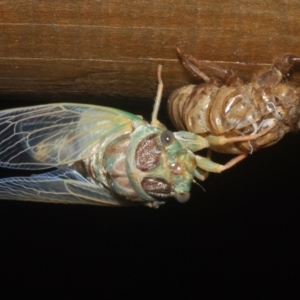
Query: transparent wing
(53, 135)
(60, 186)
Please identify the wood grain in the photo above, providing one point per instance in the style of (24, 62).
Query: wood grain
(112, 48)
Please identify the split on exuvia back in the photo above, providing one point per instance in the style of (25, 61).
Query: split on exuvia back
(100, 156)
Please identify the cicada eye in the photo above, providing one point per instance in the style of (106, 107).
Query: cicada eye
(182, 197)
(167, 138)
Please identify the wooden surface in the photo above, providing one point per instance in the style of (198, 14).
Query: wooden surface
(112, 48)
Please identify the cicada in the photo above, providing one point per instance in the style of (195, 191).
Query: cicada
(234, 117)
(87, 154)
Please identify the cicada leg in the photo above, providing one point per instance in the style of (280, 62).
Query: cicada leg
(206, 165)
(154, 120)
(194, 66)
(221, 140)
(201, 173)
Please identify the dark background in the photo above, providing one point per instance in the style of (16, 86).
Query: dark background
(240, 238)
(240, 235)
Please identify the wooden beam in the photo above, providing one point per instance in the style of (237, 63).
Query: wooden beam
(113, 47)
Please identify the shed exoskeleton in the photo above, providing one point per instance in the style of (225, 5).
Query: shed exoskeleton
(234, 117)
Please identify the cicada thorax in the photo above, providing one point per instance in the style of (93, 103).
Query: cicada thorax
(147, 164)
(271, 113)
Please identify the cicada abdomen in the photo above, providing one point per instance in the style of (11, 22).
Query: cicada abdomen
(232, 116)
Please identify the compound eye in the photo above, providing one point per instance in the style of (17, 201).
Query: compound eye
(182, 197)
(167, 138)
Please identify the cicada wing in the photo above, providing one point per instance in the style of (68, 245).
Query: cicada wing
(59, 186)
(53, 135)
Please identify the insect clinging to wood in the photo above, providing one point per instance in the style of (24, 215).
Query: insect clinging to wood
(234, 117)
(100, 155)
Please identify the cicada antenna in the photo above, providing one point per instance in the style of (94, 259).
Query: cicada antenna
(196, 182)
(154, 120)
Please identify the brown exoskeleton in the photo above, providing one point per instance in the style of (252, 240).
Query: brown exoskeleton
(234, 117)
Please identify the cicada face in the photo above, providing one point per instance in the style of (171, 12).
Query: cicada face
(149, 164)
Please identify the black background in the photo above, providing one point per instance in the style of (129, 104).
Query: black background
(241, 236)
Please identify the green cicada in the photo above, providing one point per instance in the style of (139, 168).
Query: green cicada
(97, 155)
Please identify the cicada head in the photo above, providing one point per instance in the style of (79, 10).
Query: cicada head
(158, 166)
